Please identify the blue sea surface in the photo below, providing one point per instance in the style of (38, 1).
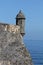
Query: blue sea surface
(35, 47)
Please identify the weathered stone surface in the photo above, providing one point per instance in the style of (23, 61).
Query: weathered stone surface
(9, 27)
(12, 51)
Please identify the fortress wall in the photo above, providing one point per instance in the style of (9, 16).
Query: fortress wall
(12, 48)
(13, 28)
(5, 62)
(10, 28)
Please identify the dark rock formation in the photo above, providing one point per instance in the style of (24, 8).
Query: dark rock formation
(12, 50)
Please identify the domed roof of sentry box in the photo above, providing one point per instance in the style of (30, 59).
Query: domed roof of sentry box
(20, 15)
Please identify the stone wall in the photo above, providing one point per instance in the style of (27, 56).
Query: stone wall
(12, 48)
(10, 28)
(12, 51)
(4, 62)
(13, 28)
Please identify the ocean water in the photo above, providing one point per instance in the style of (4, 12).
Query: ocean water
(35, 47)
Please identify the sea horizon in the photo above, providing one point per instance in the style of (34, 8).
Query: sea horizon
(35, 48)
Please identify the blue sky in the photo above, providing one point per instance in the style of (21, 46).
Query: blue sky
(33, 10)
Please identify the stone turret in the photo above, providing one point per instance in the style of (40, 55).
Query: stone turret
(20, 20)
